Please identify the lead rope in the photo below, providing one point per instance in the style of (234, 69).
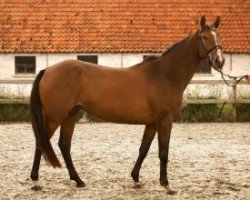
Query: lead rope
(236, 79)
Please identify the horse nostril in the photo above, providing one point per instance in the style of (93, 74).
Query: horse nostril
(217, 62)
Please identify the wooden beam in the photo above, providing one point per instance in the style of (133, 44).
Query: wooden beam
(215, 101)
(25, 81)
(14, 101)
(210, 82)
(217, 82)
(186, 101)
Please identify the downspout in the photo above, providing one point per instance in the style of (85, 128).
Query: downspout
(47, 60)
(121, 60)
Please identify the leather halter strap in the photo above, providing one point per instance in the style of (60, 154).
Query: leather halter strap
(236, 79)
(210, 50)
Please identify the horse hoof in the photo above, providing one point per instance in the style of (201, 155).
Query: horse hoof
(137, 185)
(170, 191)
(80, 184)
(36, 188)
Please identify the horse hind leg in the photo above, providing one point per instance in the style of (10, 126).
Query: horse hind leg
(35, 169)
(37, 158)
(66, 132)
(36, 164)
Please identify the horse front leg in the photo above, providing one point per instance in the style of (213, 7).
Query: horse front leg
(164, 131)
(149, 134)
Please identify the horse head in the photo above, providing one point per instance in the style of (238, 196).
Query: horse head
(210, 43)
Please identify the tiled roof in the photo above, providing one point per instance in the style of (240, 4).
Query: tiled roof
(116, 25)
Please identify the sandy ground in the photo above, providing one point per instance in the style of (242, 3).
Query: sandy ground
(207, 161)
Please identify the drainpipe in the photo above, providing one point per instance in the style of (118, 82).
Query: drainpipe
(47, 60)
(231, 61)
(121, 60)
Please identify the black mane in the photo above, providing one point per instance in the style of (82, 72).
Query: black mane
(153, 57)
(174, 46)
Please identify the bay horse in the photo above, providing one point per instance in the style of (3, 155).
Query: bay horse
(148, 93)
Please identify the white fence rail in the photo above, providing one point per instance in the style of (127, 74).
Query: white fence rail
(233, 100)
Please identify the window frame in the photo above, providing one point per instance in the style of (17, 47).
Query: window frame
(148, 56)
(32, 64)
(86, 56)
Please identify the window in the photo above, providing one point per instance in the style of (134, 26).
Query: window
(149, 57)
(88, 58)
(25, 64)
(204, 67)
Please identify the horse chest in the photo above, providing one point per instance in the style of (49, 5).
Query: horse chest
(167, 101)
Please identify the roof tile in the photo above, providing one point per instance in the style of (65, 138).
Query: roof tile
(116, 26)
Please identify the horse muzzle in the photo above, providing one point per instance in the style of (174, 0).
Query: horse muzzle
(218, 63)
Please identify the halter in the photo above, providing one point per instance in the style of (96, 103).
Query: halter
(208, 51)
(236, 79)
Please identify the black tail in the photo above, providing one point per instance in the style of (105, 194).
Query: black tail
(39, 124)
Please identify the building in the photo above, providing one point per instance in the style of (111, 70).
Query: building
(35, 34)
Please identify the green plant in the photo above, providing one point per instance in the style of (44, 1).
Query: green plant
(190, 113)
(199, 113)
(243, 112)
(14, 113)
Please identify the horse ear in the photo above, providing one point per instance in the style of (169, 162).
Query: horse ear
(217, 22)
(203, 21)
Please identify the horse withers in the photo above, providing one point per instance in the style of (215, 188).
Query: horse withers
(148, 93)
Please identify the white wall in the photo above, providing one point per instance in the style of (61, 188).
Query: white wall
(240, 64)
(236, 64)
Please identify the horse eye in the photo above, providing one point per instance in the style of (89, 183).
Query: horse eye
(204, 37)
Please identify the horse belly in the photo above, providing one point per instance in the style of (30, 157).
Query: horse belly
(121, 115)
(118, 107)
(115, 95)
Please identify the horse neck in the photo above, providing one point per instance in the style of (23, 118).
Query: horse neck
(180, 64)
